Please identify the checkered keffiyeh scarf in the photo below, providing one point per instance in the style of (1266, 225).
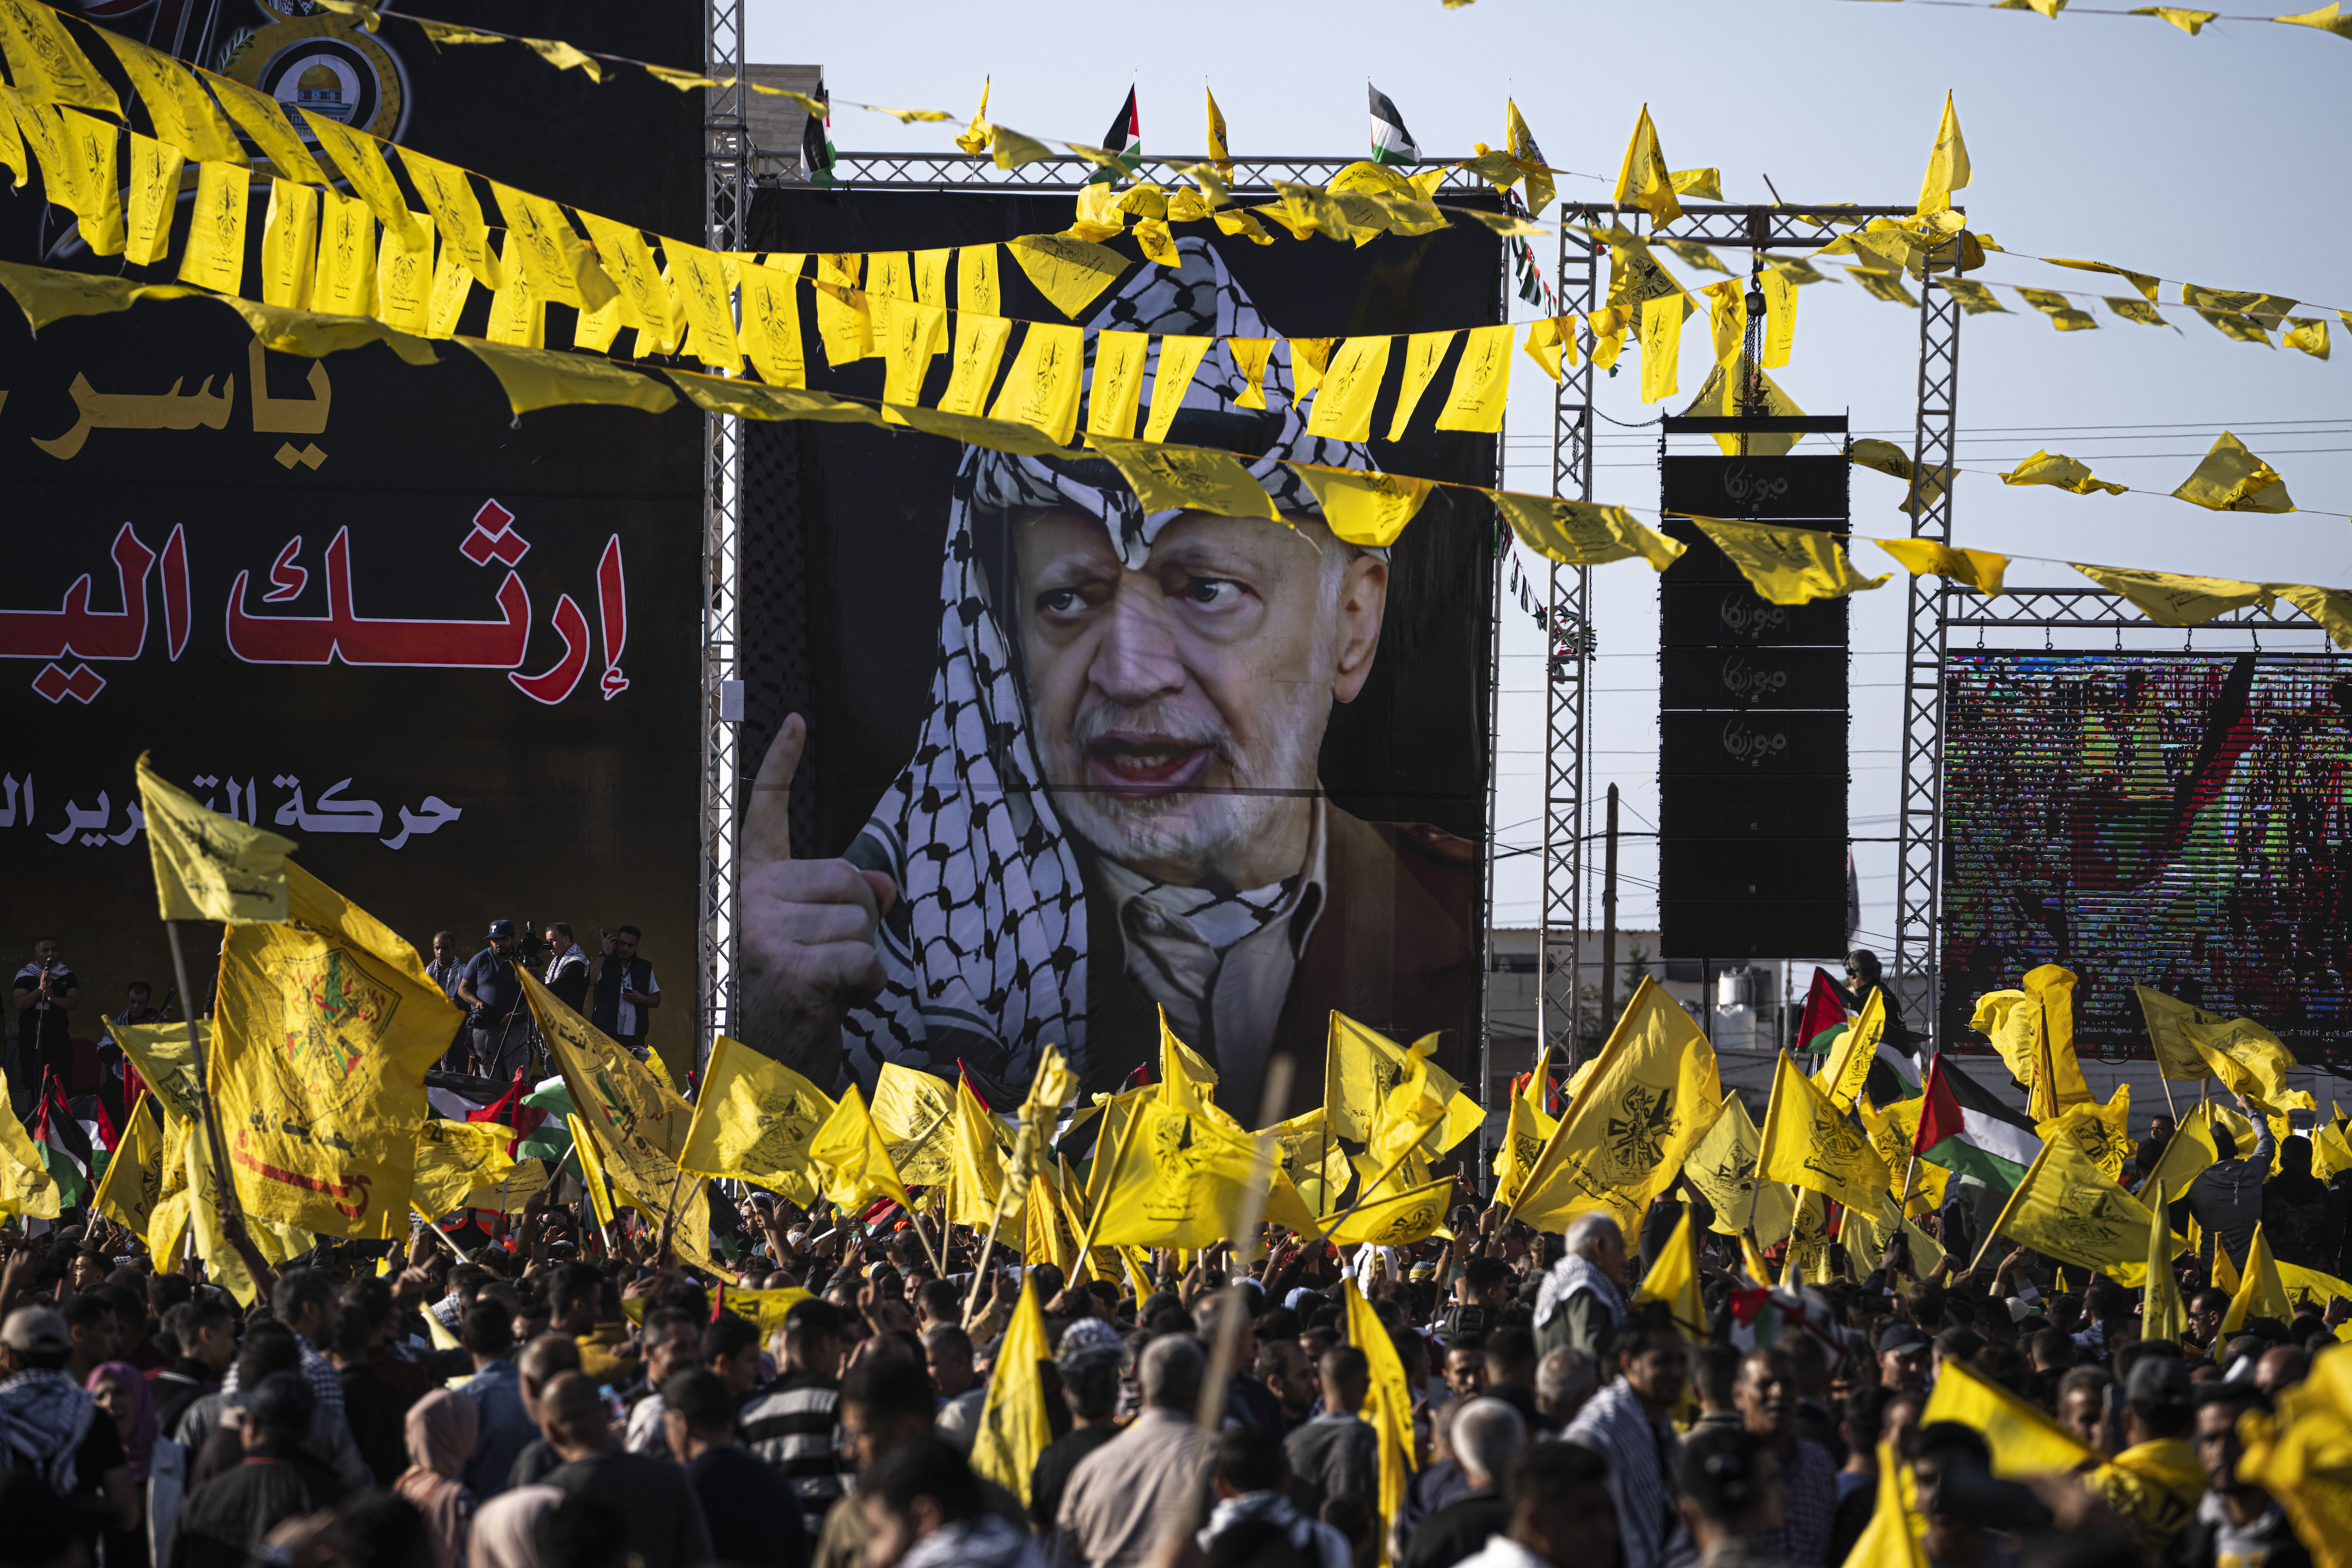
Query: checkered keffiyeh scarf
(989, 965)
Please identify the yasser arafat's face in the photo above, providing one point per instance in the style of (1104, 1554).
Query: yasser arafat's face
(1179, 706)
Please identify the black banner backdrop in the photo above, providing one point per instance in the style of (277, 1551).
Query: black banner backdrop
(843, 539)
(451, 654)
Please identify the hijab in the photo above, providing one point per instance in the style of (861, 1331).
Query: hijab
(139, 1434)
(441, 1431)
(504, 1531)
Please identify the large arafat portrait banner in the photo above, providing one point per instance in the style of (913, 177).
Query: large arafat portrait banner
(451, 654)
(1086, 762)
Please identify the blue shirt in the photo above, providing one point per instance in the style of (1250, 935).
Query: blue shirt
(493, 979)
(507, 1429)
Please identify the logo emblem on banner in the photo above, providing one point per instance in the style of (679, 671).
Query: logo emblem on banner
(336, 1013)
(317, 60)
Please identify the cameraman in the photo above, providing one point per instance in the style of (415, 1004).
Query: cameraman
(45, 993)
(500, 1018)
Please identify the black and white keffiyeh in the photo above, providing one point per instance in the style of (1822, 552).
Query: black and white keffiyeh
(44, 1416)
(988, 963)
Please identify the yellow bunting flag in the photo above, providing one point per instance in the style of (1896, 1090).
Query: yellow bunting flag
(1806, 1142)
(2331, 607)
(1343, 409)
(2143, 281)
(558, 263)
(289, 244)
(319, 1044)
(45, 64)
(1978, 569)
(362, 162)
(1581, 533)
(155, 197)
(751, 400)
(1482, 380)
(1642, 179)
(845, 324)
(2062, 311)
(637, 1123)
(176, 105)
(1187, 478)
(1042, 388)
(1014, 1427)
(2067, 1207)
(1115, 394)
(1548, 339)
(1974, 298)
(771, 329)
(910, 336)
(1071, 273)
(1361, 506)
(2328, 18)
(311, 334)
(2309, 334)
(90, 146)
(1705, 183)
(2231, 479)
(134, 1174)
(2024, 1441)
(1727, 311)
(215, 257)
(628, 261)
(702, 283)
(1721, 395)
(1251, 356)
(753, 1120)
(2171, 600)
(1948, 164)
(2065, 472)
(539, 378)
(1661, 337)
(850, 1158)
(1652, 1094)
(345, 282)
(980, 345)
(1789, 565)
(1423, 353)
(261, 117)
(209, 866)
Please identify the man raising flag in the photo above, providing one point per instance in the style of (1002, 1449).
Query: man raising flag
(1391, 143)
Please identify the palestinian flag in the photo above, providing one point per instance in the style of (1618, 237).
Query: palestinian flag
(1391, 143)
(551, 1138)
(816, 141)
(512, 1110)
(64, 1146)
(1965, 1130)
(1824, 1018)
(1125, 138)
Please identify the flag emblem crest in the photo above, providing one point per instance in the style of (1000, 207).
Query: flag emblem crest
(1637, 1138)
(2089, 1219)
(336, 1013)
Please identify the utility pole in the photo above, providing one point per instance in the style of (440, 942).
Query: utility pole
(1608, 1009)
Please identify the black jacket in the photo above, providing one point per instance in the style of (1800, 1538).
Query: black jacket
(224, 1519)
(1459, 1530)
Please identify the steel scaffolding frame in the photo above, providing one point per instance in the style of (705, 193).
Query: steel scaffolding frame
(727, 193)
(961, 171)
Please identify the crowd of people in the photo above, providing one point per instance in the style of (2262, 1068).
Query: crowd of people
(550, 1403)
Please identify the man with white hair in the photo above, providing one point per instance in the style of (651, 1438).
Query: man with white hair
(1115, 807)
(1487, 1435)
(1565, 1379)
(1127, 1494)
(1581, 1302)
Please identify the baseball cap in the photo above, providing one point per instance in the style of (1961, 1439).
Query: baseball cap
(1902, 1337)
(2160, 1382)
(38, 1330)
(502, 928)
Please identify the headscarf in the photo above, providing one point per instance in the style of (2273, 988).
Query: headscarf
(505, 1530)
(989, 964)
(139, 1436)
(44, 1416)
(441, 1430)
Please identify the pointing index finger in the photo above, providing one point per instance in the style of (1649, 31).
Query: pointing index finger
(767, 819)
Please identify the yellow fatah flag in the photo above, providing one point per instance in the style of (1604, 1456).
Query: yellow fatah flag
(1978, 569)
(558, 263)
(345, 282)
(2161, 1316)
(2261, 1292)
(974, 137)
(1350, 383)
(448, 195)
(215, 256)
(1642, 179)
(1673, 1280)
(1042, 388)
(592, 1170)
(1361, 1067)
(2231, 479)
(1115, 391)
(1408, 1216)
(1807, 1261)
(2024, 1441)
(209, 866)
(1387, 1404)
(1178, 1178)
(637, 1122)
(2059, 470)
(978, 1167)
(134, 1175)
(155, 197)
(45, 64)
(703, 288)
(1522, 143)
(909, 336)
(1581, 533)
(361, 161)
(2102, 1131)
(452, 1158)
(1806, 1142)
(535, 378)
(2067, 1207)
(263, 117)
(1524, 1132)
(1013, 1427)
(1186, 479)
(753, 1120)
(1727, 311)
(1365, 508)
(1892, 1537)
(2250, 1060)
(176, 106)
(1652, 1094)
(1662, 338)
(321, 1037)
(2171, 599)
(1408, 1113)
(1789, 565)
(25, 1185)
(1722, 1166)
(915, 1112)
(1071, 273)
(289, 244)
(1549, 341)
(2328, 18)
(2297, 1453)
(1482, 380)
(1720, 397)
(2309, 333)
(1848, 1067)
(1948, 164)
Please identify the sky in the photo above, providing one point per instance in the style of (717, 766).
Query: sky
(2113, 138)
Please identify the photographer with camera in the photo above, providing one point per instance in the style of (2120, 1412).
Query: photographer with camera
(500, 1018)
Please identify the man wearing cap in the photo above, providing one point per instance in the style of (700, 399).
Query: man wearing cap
(2155, 1484)
(49, 1427)
(1115, 805)
(1903, 1352)
(500, 1019)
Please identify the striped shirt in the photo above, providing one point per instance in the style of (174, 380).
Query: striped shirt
(795, 1424)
